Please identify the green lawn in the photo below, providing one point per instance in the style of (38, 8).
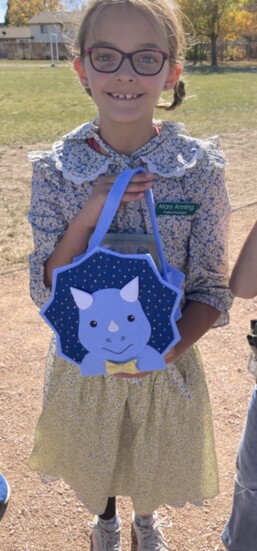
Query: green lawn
(40, 103)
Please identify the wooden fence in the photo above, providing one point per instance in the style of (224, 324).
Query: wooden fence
(240, 50)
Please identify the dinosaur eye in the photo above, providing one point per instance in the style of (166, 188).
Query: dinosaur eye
(131, 318)
(93, 323)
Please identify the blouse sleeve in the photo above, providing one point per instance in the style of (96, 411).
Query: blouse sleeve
(47, 222)
(207, 276)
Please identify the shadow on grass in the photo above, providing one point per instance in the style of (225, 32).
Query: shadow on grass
(220, 69)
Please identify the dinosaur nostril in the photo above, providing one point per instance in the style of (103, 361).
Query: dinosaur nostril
(113, 327)
(122, 338)
(109, 340)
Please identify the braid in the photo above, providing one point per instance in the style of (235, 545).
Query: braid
(179, 95)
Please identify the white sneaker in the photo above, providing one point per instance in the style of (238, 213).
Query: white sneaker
(104, 536)
(150, 537)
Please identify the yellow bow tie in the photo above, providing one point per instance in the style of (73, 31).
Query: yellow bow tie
(113, 368)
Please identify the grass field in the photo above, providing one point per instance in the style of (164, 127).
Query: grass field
(40, 103)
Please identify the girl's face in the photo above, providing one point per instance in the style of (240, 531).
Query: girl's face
(125, 96)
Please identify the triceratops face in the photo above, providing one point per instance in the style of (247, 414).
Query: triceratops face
(112, 323)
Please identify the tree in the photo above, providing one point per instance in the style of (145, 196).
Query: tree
(6, 19)
(208, 18)
(19, 12)
(240, 22)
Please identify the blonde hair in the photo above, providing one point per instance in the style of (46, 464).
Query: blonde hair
(165, 11)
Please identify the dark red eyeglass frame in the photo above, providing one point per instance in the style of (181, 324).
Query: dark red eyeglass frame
(125, 55)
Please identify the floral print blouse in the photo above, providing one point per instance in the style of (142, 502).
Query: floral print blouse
(189, 192)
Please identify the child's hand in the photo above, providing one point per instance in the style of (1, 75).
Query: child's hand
(134, 192)
(134, 376)
(137, 187)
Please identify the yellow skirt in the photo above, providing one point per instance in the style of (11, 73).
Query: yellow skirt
(106, 436)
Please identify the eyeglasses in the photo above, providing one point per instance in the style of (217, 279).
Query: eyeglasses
(144, 62)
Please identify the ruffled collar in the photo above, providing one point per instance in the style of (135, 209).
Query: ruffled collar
(79, 162)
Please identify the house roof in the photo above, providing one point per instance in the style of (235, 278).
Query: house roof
(15, 32)
(47, 17)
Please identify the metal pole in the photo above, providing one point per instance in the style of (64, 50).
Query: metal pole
(57, 48)
(52, 49)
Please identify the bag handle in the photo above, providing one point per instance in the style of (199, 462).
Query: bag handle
(111, 206)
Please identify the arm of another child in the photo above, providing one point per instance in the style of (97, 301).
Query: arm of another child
(243, 281)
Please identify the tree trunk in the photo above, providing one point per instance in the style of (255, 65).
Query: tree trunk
(214, 61)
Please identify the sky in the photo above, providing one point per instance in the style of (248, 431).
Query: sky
(3, 4)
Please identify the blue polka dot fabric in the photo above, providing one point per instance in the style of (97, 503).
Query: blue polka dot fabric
(103, 269)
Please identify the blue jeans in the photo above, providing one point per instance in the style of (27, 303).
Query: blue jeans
(240, 533)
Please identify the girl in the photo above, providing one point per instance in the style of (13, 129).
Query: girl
(151, 441)
(240, 533)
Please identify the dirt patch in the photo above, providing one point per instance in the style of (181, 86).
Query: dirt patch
(48, 517)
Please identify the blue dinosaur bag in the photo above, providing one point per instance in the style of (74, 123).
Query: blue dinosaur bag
(112, 312)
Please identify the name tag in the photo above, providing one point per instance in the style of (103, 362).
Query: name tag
(183, 209)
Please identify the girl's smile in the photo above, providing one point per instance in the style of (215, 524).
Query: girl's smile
(124, 96)
(122, 37)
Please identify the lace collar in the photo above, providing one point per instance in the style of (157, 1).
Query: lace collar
(171, 153)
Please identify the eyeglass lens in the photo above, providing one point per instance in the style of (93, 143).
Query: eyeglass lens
(145, 62)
